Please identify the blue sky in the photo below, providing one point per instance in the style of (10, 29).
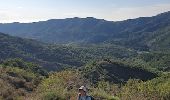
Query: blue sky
(114, 10)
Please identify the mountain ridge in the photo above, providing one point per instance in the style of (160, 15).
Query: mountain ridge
(89, 30)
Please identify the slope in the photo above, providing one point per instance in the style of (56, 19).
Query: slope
(56, 57)
(114, 72)
(140, 33)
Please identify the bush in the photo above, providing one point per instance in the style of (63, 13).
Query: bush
(156, 89)
(53, 96)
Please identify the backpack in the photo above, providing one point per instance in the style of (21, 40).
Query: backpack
(91, 97)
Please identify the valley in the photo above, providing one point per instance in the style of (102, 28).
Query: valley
(50, 60)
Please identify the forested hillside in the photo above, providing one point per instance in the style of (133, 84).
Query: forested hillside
(114, 72)
(55, 57)
(143, 33)
(50, 60)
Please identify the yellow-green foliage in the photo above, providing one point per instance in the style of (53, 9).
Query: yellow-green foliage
(156, 89)
(62, 85)
(21, 72)
(104, 91)
(101, 94)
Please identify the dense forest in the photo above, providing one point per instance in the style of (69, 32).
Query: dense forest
(50, 60)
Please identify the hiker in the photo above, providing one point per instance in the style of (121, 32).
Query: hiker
(83, 94)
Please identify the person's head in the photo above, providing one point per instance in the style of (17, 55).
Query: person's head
(82, 91)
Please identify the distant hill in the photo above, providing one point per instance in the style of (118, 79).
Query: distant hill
(53, 58)
(143, 33)
(57, 57)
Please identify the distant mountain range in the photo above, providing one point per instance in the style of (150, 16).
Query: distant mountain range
(144, 33)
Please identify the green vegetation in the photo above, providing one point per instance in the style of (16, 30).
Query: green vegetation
(126, 60)
(58, 56)
(19, 63)
(63, 85)
(144, 33)
(114, 72)
(158, 88)
(17, 79)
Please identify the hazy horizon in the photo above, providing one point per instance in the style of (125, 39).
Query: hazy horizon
(112, 10)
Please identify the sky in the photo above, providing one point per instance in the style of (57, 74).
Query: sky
(112, 10)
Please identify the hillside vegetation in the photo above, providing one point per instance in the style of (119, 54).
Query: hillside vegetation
(21, 82)
(18, 78)
(57, 56)
(114, 72)
(144, 33)
(50, 60)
